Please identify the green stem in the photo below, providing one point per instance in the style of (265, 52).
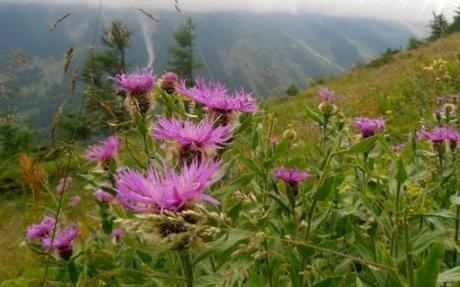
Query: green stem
(271, 281)
(457, 224)
(187, 267)
(409, 256)
(396, 219)
(323, 139)
(213, 264)
(311, 212)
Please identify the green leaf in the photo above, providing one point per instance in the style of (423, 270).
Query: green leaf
(313, 116)
(282, 147)
(427, 274)
(242, 181)
(323, 192)
(73, 273)
(401, 174)
(255, 141)
(363, 146)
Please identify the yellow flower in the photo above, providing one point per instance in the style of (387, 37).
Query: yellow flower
(413, 191)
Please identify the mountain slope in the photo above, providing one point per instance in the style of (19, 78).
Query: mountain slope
(239, 48)
(400, 88)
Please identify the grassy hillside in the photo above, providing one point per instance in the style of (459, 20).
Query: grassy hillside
(398, 87)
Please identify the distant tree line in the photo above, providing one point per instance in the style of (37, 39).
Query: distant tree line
(439, 27)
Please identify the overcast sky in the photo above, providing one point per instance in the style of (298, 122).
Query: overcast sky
(409, 10)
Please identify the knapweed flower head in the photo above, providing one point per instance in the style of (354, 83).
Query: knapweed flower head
(216, 97)
(453, 137)
(368, 126)
(64, 184)
(169, 81)
(438, 135)
(41, 230)
(167, 189)
(139, 87)
(136, 83)
(291, 175)
(440, 100)
(104, 151)
(117, 233)
(103, 196)
(63, 239)
(454, 98)
(202, 136)
(327, 95)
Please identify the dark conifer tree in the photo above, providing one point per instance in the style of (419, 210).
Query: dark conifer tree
(439, 26)
(182, 60)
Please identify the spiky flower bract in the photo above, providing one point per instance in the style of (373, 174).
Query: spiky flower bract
(193, 136)
(104, 150)
(216, 97)
(368, 126)
(139, 87)
(42, 229)
(169, 81)
(168, 189)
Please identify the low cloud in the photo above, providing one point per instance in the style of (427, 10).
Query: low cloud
(409, 10)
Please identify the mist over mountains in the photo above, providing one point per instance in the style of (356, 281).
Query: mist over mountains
(263, 53)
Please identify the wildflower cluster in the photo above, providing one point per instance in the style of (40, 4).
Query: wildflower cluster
(205, 190)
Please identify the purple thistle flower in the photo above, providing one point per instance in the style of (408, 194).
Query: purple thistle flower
(291, 175)
(216, 97)
(398, 147)
(454, 137)
(42, 229)
(74, 201)
(137, 83)
(157, 191)
(438, 135)
(117, 233)
(103, 151)
(64, 184)
(440, 100)
(202, 135)
(103, 196)
(455, 98)
(328, 95)
(64, 238)
(368, 126)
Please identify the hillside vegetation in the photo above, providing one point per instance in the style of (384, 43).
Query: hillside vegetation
(400, 87)
(222, 192)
